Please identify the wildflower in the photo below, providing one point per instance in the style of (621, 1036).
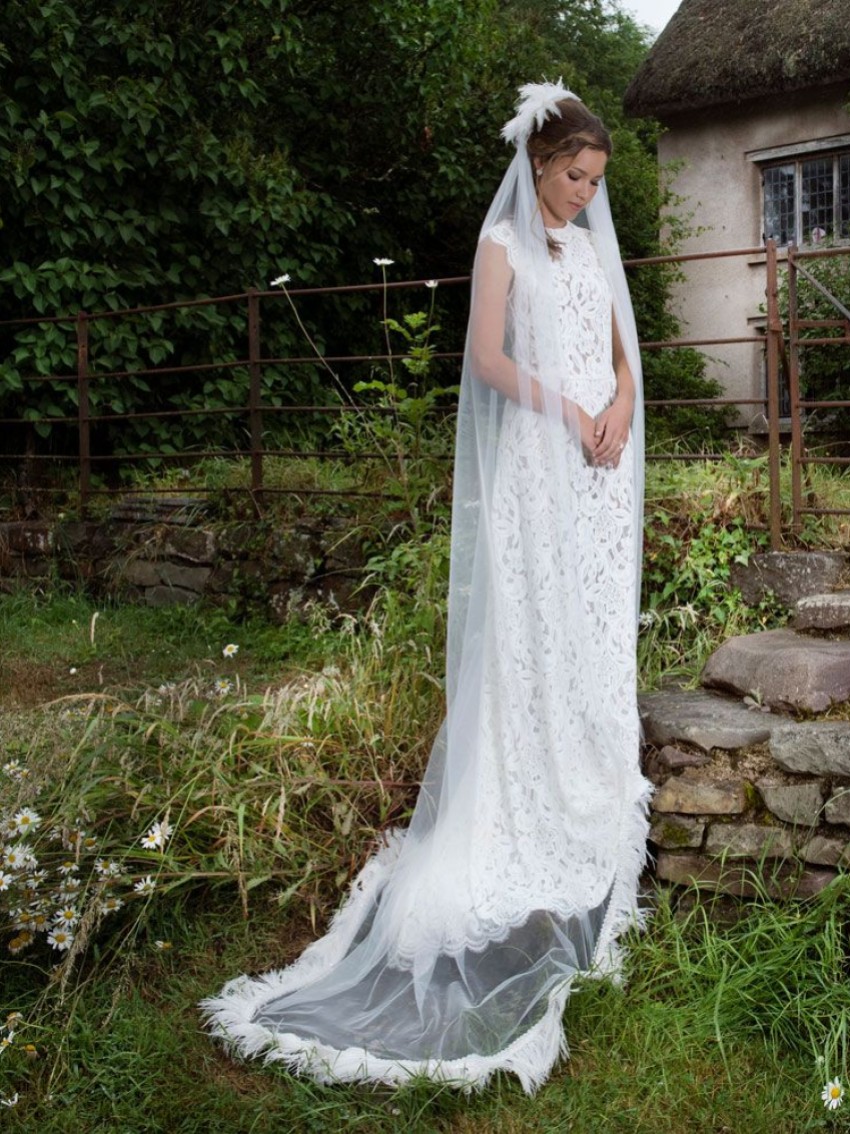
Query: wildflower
(281, 280)
(157, 836)
(9, 1100)
(67, 916)
(60, 938)
(230, 650)
(14, 857)
(13, 1018)
(431, 283)
(71, 886)
(222, 687)
(162, 946)
(6, 881)
(646, 619)
(166, 688)
(21, 941)
(40, 921)
(12, 768)
(145, 885)
(6, 1041)
(382, 262)
(110, 905)
(832, 1094)
(107, 868)
(89, 843)
(21, 918)
(67, 867)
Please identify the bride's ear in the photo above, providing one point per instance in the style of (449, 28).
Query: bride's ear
(538, 166)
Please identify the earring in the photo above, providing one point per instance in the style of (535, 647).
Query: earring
(539, 172)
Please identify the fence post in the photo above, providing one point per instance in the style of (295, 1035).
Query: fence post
(774, 336)
(794, 393)
(255, 410)
(83, 410)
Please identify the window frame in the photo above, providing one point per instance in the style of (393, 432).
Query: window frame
(830, 149)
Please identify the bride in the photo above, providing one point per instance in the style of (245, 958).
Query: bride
(454, 952)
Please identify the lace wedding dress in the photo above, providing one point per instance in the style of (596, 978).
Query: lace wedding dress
(454, 952)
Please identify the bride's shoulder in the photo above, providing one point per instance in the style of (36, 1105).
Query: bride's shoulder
(502, 232)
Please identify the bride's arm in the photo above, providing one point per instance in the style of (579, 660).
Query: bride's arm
(614, 423)
(490, 364)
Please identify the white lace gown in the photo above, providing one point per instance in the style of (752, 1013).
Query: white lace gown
(454, 953)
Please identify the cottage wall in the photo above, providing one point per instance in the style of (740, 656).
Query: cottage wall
(721, 191)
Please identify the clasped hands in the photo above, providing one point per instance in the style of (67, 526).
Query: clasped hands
(604, 438)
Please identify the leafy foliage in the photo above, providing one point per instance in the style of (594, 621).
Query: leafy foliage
(185, 149)
(824, 370)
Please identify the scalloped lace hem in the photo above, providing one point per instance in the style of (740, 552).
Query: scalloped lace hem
(530, 1057)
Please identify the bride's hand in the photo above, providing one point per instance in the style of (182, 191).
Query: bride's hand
(587, 430)
(611, 432)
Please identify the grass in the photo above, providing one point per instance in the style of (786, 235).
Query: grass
(275, 791)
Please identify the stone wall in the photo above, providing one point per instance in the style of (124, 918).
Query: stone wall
(752, 771)
(172, 552)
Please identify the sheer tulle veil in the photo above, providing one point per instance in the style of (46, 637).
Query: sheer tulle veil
(453, 955)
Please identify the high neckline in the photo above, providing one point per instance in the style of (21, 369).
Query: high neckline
(560, 234)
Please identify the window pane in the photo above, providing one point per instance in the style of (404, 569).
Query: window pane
(779, 204)
(817, 198)
(844, 196)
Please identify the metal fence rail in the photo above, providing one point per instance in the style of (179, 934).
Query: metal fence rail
(782, 351)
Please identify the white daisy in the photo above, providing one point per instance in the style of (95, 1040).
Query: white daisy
(382, 262)
(162, 946)
(230, 650)
(431, 283)
(14, 857)
(9, 1100)
(152, 840)
(60, 938)
(145, 885)
(107, 868)
(6, 881)
(67, 916)
(110, 905)
(67, 867)
(832, 1094)
(222, 687)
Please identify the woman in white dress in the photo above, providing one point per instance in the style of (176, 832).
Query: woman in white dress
(454, 953)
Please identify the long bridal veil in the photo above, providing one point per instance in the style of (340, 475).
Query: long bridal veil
(453, 954)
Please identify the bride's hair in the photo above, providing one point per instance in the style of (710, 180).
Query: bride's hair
(564, 135)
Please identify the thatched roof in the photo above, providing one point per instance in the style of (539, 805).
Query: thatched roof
(717, 52)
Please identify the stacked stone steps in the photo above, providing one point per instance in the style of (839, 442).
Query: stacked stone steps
(744, 786)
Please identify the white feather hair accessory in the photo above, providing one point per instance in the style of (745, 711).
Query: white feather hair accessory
(536, 103)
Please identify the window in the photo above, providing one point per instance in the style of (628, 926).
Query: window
(807, 200)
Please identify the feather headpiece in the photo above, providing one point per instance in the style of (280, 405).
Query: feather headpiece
(536, 103)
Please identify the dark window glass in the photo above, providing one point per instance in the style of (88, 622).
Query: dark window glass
(779, 204)
(817, 203)
(844, 196)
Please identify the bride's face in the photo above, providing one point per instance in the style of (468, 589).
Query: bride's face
(568, 184)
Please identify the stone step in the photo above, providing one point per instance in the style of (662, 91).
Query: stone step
(823, 612)
(790, 575)
(704, 719)
(782, 669)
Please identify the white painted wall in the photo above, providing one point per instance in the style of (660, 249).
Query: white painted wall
(721, 189)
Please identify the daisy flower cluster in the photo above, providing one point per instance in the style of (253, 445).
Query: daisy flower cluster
(56, 878)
